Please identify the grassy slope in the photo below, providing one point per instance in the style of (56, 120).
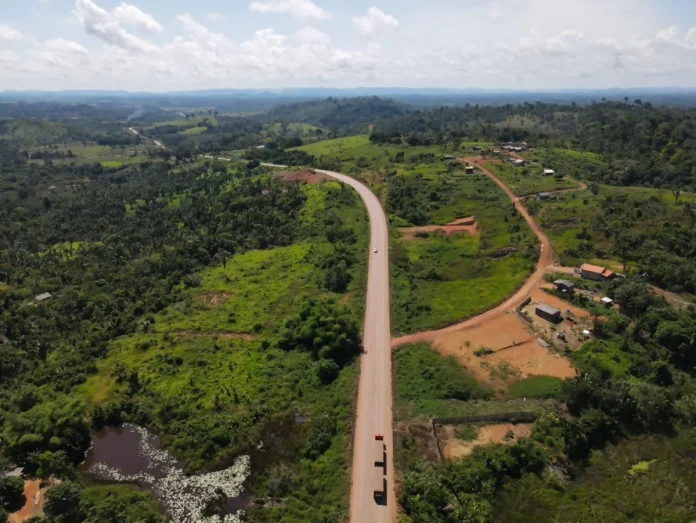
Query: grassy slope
(532, 183)
(186, 364)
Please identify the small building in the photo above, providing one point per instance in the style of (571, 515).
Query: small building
(43, 296)
(549, 172)
(607, 301)
(519, 162)
(477, 148)
(548, 313)
(564, 285)
(543, 196)
(469, 169)
(448, 157)
(261, 147)
(596, 273)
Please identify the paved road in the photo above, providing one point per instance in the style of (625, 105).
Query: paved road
(545, 259)
(375, 394)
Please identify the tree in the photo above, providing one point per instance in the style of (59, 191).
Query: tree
(12, 494)
(63, 503)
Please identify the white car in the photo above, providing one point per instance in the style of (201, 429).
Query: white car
(375, 251)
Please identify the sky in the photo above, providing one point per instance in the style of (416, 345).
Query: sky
(156, 45)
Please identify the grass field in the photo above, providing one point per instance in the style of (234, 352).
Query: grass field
(651, 478)
(212, 360)
(90, 153)
(528, 180)
(438, 280)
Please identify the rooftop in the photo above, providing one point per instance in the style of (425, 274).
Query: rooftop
(596, 269)
(547, 309)
(43, 296)
(565, 283)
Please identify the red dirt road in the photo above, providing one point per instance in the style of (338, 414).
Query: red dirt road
(545, 259)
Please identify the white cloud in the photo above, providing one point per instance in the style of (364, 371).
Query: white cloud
(8, 33)
(129, 14)
(312, 36)
(376, 22)
(215, 17)
(107, 25)
(44, 2)
(305, 9)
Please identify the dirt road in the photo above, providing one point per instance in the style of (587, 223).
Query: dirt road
(545, 259)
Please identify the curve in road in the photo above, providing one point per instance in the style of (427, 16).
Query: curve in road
(374, 413)
(545, 259)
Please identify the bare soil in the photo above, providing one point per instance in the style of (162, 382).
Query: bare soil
(215, 299)
(307, 176)
(453, 448)
(460, 225)
(35, 502)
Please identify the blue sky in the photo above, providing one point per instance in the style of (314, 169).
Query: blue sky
(181, 44)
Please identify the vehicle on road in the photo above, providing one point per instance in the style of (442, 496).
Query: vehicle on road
(380, 485)
(375, 251)
(379, 450)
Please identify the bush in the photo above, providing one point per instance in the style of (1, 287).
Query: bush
(325, 330)
(537, 387)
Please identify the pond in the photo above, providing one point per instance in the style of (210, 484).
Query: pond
(132, 454)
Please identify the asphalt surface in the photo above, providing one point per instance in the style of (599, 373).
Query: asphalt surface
(374, 414)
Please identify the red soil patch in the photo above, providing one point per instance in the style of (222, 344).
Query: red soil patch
(307, 176)
(467, 225)
(35, 502)
(215, 299)
(454, 448)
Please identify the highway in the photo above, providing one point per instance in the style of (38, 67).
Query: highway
(374, 413)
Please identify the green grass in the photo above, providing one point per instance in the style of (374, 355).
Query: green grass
(128, 501)
(194, 130)
(211, 363)
(607, 491)
(537, 387)
(422, 375)
(531, 183)
(438, 280)
(188, 122)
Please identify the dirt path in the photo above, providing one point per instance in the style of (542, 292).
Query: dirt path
(545, 259)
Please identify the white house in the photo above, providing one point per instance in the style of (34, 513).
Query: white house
(549, 172)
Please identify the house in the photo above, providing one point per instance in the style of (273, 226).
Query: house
(477, 148)
(519, 162)
(596, 273)
(448, 157)
(564, 285)
(43, 296)
(548, 313)
(469, 169)
(549, 172)
(543, 196)
(261, 147)
(607, 301)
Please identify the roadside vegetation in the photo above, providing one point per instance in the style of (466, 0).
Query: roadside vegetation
(176, 303)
